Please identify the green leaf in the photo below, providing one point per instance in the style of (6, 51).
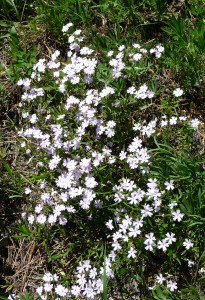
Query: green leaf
(123, 271)
(22, 229)
(15, 196)
(8, 169)
(146, 106)
(14, 36)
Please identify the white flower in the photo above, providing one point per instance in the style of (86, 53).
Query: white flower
(170, 238)
(172, 285)
(177, 215)
(188, 244)
(160, 279)
(195, 123)
(173, 121)
(109, 225)
(163, 245)
(169, 185)
(61, 290)
(39, 290)
(131, 253)
(121, 48)
(178, 92)
(41, 219)
(47, 277)
(48, 287)
(71, 39)
(66, 27)
(137, 56)
(190, 263)
(27, 191)
(77, 32)
(31, 219)
(110, 53)
(171, 205)
(136, 46)
(11, 297)
(182, 118)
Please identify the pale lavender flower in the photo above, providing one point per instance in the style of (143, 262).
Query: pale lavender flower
(172, 285)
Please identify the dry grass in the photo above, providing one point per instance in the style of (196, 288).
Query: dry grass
(27, 262)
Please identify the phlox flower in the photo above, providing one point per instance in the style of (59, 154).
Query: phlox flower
(160, 279)
(116, 246)
(109, 224)
(27, 191)
(31, 219)
(149, 242)
(170, 238)
(131, 253)
(110, 53)
(137, 56)
(38, 208)
(41, 219)
(33, 119)
(39, 290)
(173, 121)
(76, 290)
(178, 92)
(112, 255)
(147, 211)
(190, 263)
(177, 215)
(48, 277)
(188, 244)
(182, 118)
(52, 219)
(48, 287)
(134, 231)
(169, 185)
(90, 182)
(172, 205)
(172, 285)
(163, 245)
(136, 46)
(195, 123)
(66, 27)
(61, 291)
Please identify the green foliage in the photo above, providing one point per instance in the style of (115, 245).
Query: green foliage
(16, 187)
(185, 168)
(185, 51)
(15, 10)
(22, 60)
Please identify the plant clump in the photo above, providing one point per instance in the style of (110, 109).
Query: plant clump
(105, 182)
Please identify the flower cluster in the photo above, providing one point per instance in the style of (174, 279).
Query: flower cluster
(94, 167)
